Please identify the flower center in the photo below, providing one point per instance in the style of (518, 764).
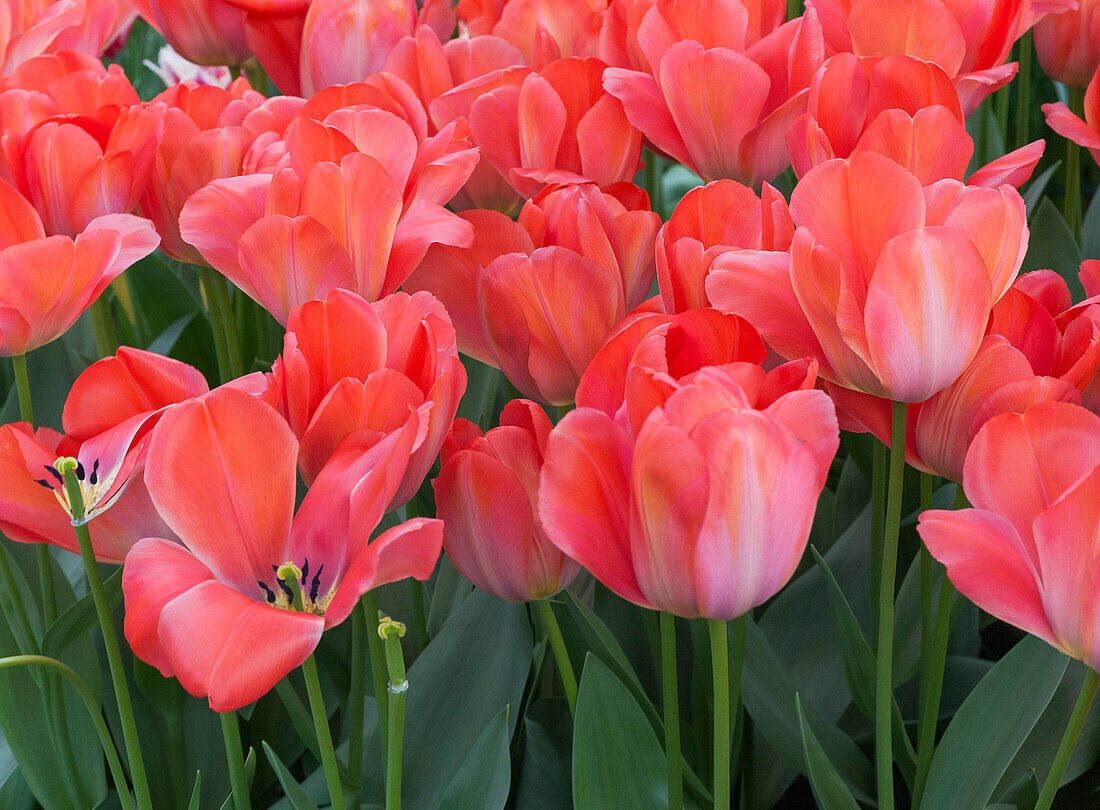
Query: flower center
(292, 582)
(93, 487)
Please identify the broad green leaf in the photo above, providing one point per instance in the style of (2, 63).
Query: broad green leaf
(1090, 230)
(544, 782)
(451, 588)
(992, 724)
(1035, 188)
(1052, 246)
(828, 785)
(298, 798)
(80, 618)
(485, 777)
(617, 760)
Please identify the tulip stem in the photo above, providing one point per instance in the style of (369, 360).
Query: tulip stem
(369, 606)
(1069, 739)
(1023, 89)
(110, 638)
(224, 309)
(671, 697)
(103, 326)
(23, 387)
(291, 575)
(930, 694)
(91, 703)
(1072, 200)
(561, 654)
(884, 753)
(392, 632)
(231, 734)
(356, 701)
(720, 667)
(878, 508)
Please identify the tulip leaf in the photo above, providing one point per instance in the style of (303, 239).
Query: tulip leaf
(196, 793)
(544, 782)
(860, 668)
(485, 777)
(983, 737)
(617, 760)
(249, 774)
(1035, 188)
(1052, 246)
(769, 695)
(828, 785)
(166, 340)
(1090, 230)
(294, 792)
(80, 618)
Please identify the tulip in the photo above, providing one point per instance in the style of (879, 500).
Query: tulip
(206, 32)
(352, 366)
(36, 27)
(889, 286)
(542, 30)
(1026, 552)
(1083, 133)
(215, 611)
(46, 282)
(1068, 43)
(655, 504)
(487, 496)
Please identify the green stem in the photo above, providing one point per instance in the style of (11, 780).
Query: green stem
(235, 756)
(672, 711)
(224, 309)
(930, 707)
(878, 509)
(884, 753)
(217, 329)
(292, 575)
(1023, 89)
(110, 638)
(720, 662)
(1072, 201)
(654, 183)
(561, 654)
(23, 387)
(356, 700)
(92, 705)
(1069, 739)
(378, 669)
(103, 325)
(392, 632)
(420, 615)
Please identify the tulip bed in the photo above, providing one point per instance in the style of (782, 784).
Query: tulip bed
(540, 404)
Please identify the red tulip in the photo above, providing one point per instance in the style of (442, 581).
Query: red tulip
(1068, 42)
(206, 32)
(1083, 133)
(46, 282)
(487, 496)
(700, 501)
(213, 611)
(1027, 552)
(351, 366)
(889, 286)
(539, 297)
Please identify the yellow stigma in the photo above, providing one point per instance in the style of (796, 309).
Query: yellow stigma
(386, 626)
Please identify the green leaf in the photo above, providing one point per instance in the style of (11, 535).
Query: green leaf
(80, 618)
(544, 782)
(485, 777)
(1052, 246)
(859, 666)
(992, 724)
(166, 340)
(617, 760)
(451, 588)
(298, 798)
(196, 793)
(249, 775)
(828, 785)
(769, 699)
(1035, 188)
(1090, 230)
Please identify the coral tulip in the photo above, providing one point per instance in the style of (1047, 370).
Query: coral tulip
(487, 496)
(214, 611)
(206, 32)
(1083, 133)
(349, 365)
(700, 501)
(1026, 552)
(1068, 43)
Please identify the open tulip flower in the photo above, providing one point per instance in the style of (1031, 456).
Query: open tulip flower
(695, 495)
(712, 99)
(1026, 552)
(46, 282)
(218, 611)
(487, 496)
(352, 366)
(889, 285)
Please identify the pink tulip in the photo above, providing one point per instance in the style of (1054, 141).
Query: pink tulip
(1083, 133)
(35, 27)
(213, 611)
(542, 30)
(1068, 43)
(487, 496)
(889, 285)
(697, 501)
(1026, 552)
(352, 366)
(206, 32)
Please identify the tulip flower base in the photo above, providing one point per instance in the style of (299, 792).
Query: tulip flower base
(442, 398)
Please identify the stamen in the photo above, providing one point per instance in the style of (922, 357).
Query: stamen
(55, 474)
(93, 479)
(43, 482)
(315, 586)
(282, 584)
(267, 591)
(79, 471)
(305, 570)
